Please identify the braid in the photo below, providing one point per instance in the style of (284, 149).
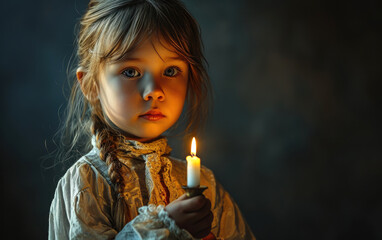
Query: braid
(106, 139)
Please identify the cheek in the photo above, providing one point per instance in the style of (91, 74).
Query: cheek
(117, 97)
(177, 93)
(128, 95)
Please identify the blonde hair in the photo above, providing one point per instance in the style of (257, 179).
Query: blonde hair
(108, 31)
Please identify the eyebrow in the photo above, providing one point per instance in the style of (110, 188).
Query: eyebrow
(177, 58)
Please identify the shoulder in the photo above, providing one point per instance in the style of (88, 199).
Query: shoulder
(82, 196)
(83, 175)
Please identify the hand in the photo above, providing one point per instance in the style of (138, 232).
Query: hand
(193, 214)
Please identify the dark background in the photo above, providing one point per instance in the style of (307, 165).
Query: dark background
(295, 135)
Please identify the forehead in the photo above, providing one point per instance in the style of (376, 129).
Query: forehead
(152, 46)
(149, 52)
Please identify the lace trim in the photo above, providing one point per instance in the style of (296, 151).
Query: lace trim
(158, 166)
(156, 217)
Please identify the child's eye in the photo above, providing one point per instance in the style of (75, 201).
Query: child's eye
(131, 73)
(172, 71)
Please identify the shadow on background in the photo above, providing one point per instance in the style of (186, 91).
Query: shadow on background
(295, 133)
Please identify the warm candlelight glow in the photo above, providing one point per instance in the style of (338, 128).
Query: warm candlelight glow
(193, 167)
(193, 147)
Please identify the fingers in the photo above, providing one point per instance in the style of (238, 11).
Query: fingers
(193, 214)
(195, 204)
(203, 227)
(197, 216)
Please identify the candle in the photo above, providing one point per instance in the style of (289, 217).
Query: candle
(193, 167)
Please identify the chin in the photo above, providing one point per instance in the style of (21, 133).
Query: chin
(153, 130)
(150, 133)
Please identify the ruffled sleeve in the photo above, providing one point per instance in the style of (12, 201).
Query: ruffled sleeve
(153, 223)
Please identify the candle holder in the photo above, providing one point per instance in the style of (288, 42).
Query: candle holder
(194, 191)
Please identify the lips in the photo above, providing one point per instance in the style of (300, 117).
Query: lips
(152, 115)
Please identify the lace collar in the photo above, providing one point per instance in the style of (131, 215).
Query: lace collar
(127, 148)
(161, 186)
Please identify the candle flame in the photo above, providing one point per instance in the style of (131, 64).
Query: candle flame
(193, 147)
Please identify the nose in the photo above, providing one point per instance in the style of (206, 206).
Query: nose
(151, 89)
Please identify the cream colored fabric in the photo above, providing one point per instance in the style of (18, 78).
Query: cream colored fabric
(85, 204)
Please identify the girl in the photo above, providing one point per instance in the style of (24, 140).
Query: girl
(139, 60)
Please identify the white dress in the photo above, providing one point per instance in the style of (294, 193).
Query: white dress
(85, 205)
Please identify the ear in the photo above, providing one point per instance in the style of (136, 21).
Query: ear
(90, 92)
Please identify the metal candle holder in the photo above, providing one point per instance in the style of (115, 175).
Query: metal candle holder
(194, 191)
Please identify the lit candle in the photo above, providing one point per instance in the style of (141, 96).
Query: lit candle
(193, 167)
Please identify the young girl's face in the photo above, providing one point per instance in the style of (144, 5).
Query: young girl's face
(143, 95)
